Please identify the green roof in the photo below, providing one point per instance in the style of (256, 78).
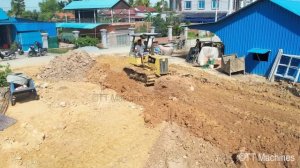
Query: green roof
(78, 25)
(291, 5)
(92, 4)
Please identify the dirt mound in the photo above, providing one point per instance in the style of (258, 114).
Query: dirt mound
(71, 66)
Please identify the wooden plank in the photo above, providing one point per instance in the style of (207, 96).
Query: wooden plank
(275, 65)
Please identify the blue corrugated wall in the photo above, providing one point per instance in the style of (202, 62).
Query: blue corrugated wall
(50, 28)
(262, 25)
(28, 32)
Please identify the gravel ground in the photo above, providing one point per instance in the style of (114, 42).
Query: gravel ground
(24, 61)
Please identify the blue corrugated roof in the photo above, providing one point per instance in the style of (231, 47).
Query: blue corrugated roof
(259, 51)
(291, 5)
(78, 25)
(91, 4)
(3, 15)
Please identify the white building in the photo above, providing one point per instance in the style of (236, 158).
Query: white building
(205, 10)
(199, 6)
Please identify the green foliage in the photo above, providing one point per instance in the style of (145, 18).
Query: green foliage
(58, 50)
(4, 71)
(131, 2)
(17, 8)
(32, 15)
(48, 9)
(161, 25)
(192, 35)
(67, 37)
(86, 41)
(14, 46)
(142, 3)
(161, 6)
(142, 29)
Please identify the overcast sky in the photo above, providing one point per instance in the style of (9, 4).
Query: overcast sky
(30, 4)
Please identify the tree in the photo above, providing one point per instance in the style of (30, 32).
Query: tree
(142, 3)
(48, 9)
(131, 2)
(161, 6)
(17, 7)
(161, 25)
(32, 15)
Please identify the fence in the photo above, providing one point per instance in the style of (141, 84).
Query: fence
(53, 42)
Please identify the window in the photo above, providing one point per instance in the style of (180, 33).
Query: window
(201, 4)
(188, 5)
(215, 4)
(261, 57)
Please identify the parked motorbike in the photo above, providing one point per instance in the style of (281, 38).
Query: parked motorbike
(8, 55)
(20, 49)
(37, 53)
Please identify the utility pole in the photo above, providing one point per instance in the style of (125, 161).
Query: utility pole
(217, 7)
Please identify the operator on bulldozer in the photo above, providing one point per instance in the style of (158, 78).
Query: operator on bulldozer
(145, 62)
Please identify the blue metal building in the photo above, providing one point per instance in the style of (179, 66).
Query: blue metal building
(24, 31)
(258, 31)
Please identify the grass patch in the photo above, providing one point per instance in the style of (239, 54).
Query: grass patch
(59, 50)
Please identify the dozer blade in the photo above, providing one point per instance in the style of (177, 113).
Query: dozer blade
(139, 74)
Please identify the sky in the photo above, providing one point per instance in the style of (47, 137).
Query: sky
(31, 4)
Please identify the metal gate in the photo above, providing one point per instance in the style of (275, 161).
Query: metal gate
(118, 39)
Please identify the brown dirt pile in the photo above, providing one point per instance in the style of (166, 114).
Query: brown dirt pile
(232, 115)
(71, 66)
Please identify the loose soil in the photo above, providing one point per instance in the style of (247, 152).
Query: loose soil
(190, 118)
(70, 66)
(255, 117)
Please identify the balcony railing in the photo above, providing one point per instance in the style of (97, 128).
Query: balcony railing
(100, 19)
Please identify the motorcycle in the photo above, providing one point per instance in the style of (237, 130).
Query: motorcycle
(37, 53)
(20, 49)
(8, 55)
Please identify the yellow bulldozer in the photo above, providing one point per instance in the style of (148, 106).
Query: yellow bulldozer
(148, 65)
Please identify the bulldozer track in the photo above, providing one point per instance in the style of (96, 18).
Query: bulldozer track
(139, 75)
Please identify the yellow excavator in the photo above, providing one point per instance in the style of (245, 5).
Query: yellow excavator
(148, 66)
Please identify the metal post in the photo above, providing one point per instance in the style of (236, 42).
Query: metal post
(94, 16)
(186, 30)
(170, 33)
(79, 16)
(129, 19)
(112, 16)
(66, 18)
(217, 7)
(104, 38)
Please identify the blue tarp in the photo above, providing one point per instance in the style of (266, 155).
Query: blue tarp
(259, 51)
(78, 25)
